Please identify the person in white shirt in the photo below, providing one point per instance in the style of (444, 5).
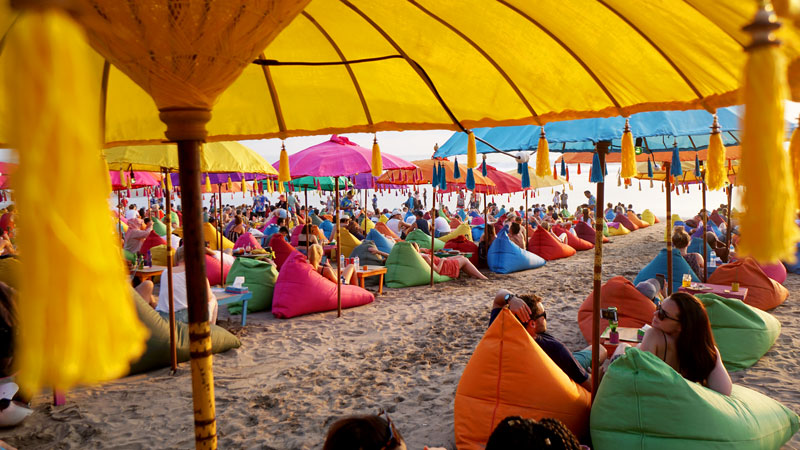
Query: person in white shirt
(441, 226)
(131, 213)
(179, 296)
(394, 223)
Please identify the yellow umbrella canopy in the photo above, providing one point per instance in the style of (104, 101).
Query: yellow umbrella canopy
(541, 182)
(215, 157)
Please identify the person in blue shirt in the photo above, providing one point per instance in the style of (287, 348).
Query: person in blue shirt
(420, 223)
(530, 312)
(592, 200)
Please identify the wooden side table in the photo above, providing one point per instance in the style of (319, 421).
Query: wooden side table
(371, 271)
(146, 273)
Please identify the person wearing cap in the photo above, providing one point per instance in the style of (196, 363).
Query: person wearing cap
(138, 231)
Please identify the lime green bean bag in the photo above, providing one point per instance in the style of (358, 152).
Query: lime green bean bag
(259, 277)
(643, 404)
(405, 267)
(424, 240)
(156, 354)
(158, 226)
(605, 229)
(648, 216)
(743, 333)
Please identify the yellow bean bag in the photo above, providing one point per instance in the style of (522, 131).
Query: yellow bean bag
(367, 225)
(648, 216)
(509, 374)
(462, 230)
(383, 219)
(10, 269)
(211, 235)
(349, 242)
(676, 218)
(158, 255)
(617, 229)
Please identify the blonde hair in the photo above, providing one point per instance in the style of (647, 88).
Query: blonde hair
(315, 254)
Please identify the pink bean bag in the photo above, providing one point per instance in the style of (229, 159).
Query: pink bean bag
(586, 232)
(623, 219)
(281, 248)
(296, 235)
(572, 240)
(298, 277)
(716, 218)
(478, 221)
(152, 240)
(245, 240)
(544, 244)
(775, 271)
(213, 271)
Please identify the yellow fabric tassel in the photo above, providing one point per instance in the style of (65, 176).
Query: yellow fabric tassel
(122, 178)
(77, 321)
(472, 151)
(229, 184)
(208, 183)
(543, 157)
(281, 189)
(765, 172)
(628, 153)
(244, 184)
(377, 161)
(794, 155)
(168, 181)
(283, 169)
(716, 175)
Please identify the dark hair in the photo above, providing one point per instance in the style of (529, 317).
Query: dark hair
(489, 234)
(362, 433)
(283, 230)
(515, 228)
(280, 221)
(531, 300)
(147, 220)
(522, 433)
(237, 220)
(680, 238)
(697, 353)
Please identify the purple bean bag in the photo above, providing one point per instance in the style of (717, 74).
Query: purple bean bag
(626, 222)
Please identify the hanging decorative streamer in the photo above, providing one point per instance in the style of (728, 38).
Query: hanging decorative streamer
(434, 176)
(649, 168)
(567, 177)
(563, 168)
(715, 170)
(472, 152)
(697, 172)
(640, 185)
(229, 184)
(596, 174)
(675, 168)
(470, 179)
(543, 156)
(579, 168)
(555, 172)
(483, 166)
(284, 176)
(628, 152)
(377, 161)
(456, 171)
(651, 184)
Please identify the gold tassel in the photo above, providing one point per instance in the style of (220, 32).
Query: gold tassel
(472, 151)
(377, 161)
(281, 189)
(80, 326)
(270, 187)
(168, 181)
(244, 185)
(208, 183)
(543, 157)
(765, 174)
(283, 168)
(628, 152)
(229, 184)
(122, 178)
(794, 155)
(715, 173)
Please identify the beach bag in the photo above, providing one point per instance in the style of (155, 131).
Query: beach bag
(211, 236)
(464, 245)
(763, 292)
(616, 229)
(365, 258)
(259, 278)
(623, 219)
(383, 243)
(245, 240)
(158, 226)
(649, 217)
(544, 244)
(424, 240)
(158, 255)
(637, 222)
(461, 230)
(572, 240)
(152, 240)
(586, 232)
(281, 248)
(216, 272)
(384, 230)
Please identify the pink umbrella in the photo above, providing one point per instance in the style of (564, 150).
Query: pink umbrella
(140, 180)
(5, 170)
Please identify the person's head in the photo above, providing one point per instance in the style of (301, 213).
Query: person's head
(132, 206)
(684, 316)
(179, 257)
(519, 432)
(237, 220)
(280, 222)
(147, 222)
(284, 231)
(515, 228)
(680, 238)
(315, 254)
(611, 205)
(212, 221)
(419, 214)
(538, 321)
(365, 433)
(587, 193)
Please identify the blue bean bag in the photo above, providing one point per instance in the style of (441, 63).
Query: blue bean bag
(506, 257)
(794, 268)
(405, 267)
(382, 242)
(659, 265)
(477, 232)
(268, 231)
(696, 246)
(643, 404)
(743, 333)
(610, 215)
(327, 227)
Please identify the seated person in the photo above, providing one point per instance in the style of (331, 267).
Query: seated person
(6, 247)
(515, 235)
(681, 241)
(364, 432)
(681, 336)
(307, 237)
(315, 253)
(522, 433)
(441, 226)
(485, 243)
(419, 223)
(136, 234)
(451, 266)
(719, 247)
(356, 230)
(239, 228)
(179, 295)
(576, 364)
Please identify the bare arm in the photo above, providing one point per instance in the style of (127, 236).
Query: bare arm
(718, 379)
(653, 341)
(515, 304)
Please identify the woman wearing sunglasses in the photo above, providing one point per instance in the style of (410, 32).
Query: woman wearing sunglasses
(681, 336)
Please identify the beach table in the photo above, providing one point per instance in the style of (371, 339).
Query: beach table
(450, 254)
(723, 290)
(626, 334)
(147, 272)
(364, 272)
(226, 298)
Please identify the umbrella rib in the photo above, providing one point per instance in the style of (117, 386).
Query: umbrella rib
(347, 66)
(568, 50)
(104, 97)
(273, 93)
(483, 53)
(662, 53)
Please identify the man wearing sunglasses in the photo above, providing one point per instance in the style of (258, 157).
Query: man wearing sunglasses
(575, 365)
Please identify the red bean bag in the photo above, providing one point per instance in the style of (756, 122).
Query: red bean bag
(636, 220)
(213, 271)
(384, 230)
(281, 248)
(763, 292)
(716, 218)
(152, 240)
(499, 381)
(454, 223)
(620, 218)
(572, 240)
(462, 244)
(245, 240)
(586, 232)
(302, 290)
(544, 244)
(633, 309)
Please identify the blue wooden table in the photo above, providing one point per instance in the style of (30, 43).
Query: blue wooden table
(226, 298)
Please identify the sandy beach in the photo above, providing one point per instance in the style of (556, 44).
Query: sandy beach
(405, 352)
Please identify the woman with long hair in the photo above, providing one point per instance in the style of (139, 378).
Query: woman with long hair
(681, 241)
(485, 242)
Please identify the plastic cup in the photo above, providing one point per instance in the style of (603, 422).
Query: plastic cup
(735, 286)
(687, 280)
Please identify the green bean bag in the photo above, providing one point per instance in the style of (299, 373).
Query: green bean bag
(605, 229)
(405, 267)
(743, 333)
(315, 220)
(259, 277)
(365, 258)
(643, 404)
(129, 256)
(158, 226)
(424, 240)
(156, 354)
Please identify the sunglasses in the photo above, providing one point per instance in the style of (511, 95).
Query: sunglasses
(392, 431)
(663, 314)
(533, 319)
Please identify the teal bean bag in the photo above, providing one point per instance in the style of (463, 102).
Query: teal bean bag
(696, 246)
(794, 268)
(157, 354)
(383, 243)
(643, 404)
(159, 227)
(259, 277)
(365, 258)
(659, 265)
(743, 333)
(315, 220)
(405, 267)
(424, 240)
(506, 257)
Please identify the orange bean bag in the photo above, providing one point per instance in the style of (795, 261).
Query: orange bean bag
(281, 248)
(620, 218)
(637, 221)
(572, 240)
(454, 223)
(462, 244)
(763, 292)
(509, 374)
(544, 244)
(633, 309)
(656, 219)
(384, 230)
(586, 232)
